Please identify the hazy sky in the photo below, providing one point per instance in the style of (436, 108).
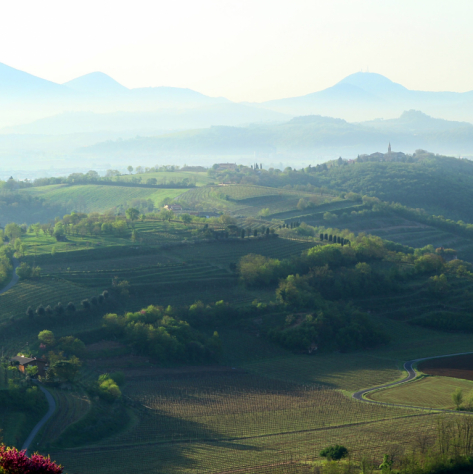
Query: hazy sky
(244, 50)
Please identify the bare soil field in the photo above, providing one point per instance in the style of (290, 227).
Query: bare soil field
(460, 367)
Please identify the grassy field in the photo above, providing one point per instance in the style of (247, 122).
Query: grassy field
(431, 392)
(99, 198)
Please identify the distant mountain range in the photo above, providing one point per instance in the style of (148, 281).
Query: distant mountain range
(25, 98)
(307, 135)
(94, 115)
(365, 96)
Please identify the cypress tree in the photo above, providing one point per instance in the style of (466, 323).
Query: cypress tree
(322, 237)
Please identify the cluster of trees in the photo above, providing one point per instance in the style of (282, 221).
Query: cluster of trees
(94, 223)
(107, 386)
(324, 276)
(159, 333)
(6, 254)
(23, 207)
(329, 326)
(112, 177)
(70, 345)
(21, 395)
(25, 271)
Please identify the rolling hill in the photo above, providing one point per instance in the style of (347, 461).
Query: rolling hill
(308, 134)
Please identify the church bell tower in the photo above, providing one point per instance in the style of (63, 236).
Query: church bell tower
(389, 147)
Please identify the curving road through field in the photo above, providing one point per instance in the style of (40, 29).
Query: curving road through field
(411, 375)
(49, 397)
(42, 422)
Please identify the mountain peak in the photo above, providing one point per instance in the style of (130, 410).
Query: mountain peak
(373, 82)
(14, 81)
(95, 82)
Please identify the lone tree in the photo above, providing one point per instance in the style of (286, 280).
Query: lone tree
(59, 309)
(30, 312)
(130, 169)
(132, 214)
(40, 310)
(457, 397)
(47, 337)
(334, 453)
(85, 304)
(71, 307)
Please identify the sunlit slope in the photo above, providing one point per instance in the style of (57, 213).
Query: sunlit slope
(99, 198)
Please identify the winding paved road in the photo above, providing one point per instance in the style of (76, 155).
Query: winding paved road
(41, 423)
(49, 397)
(14, 279)
(411, 375)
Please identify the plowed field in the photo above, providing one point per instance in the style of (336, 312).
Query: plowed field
(460, 367)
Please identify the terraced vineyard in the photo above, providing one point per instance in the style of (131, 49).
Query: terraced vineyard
(151, 275)
(45, 291)
(250, 201)
(71, 407)
(231, 251)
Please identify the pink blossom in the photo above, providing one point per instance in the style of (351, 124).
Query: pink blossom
(13, 461)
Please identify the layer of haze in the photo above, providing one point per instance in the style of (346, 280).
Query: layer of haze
(243, 50)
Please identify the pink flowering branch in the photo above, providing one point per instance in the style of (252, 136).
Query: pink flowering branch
(13, 461)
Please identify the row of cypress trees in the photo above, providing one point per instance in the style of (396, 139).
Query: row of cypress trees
(70, 308)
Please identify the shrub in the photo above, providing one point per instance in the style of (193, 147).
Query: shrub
(334, 453)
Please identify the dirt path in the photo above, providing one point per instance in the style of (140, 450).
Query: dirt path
(14, 279)
(42, 422)
(411, 375)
